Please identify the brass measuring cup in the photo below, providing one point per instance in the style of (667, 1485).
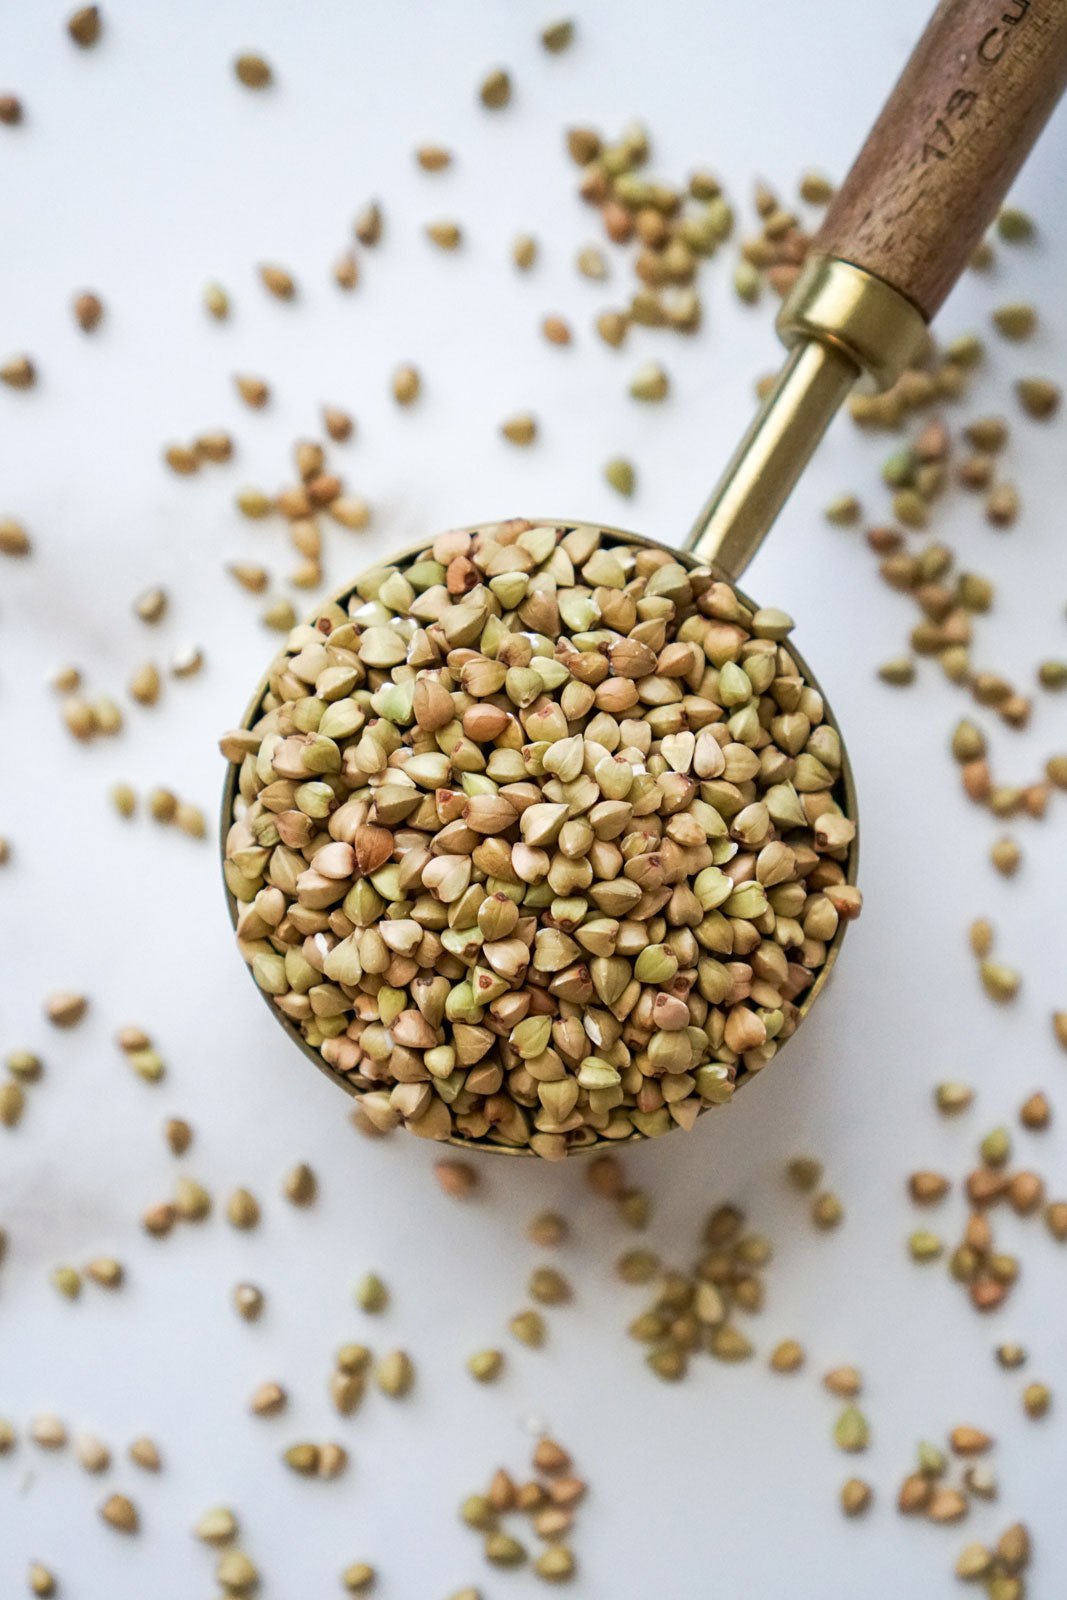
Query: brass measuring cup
(957, 126)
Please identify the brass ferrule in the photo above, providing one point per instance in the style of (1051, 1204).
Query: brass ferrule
(839, 321)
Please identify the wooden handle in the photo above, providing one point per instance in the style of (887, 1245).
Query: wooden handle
(954, 132)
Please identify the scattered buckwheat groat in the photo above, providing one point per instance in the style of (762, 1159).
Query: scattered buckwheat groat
(85, 26)
(253, 71)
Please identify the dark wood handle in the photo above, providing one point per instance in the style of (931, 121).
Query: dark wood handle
(954, 132)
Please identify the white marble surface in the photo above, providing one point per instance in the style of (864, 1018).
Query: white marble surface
(141, 171)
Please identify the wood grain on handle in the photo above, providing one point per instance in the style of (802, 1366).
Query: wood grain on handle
(957, 127)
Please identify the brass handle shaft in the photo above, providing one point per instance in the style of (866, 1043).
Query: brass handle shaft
(841, 321)
(770, 458)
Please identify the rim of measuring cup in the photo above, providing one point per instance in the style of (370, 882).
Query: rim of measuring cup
(340, 596)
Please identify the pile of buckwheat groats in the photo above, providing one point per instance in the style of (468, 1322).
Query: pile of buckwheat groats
(665, 741)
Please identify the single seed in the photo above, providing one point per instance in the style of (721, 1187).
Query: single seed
(64, 1009)
(995, 1148)
(433, 157)
(816, 189)
(268, 1400)
(338, 424)
(1039, 397)
(1035, 1112)
(10, 110)
(395, 1374)
(162, 805)
(1000, 982)
(242, 1209)
(120, 1513)
(827, 1211)
(214, 446)
(280, 616)
(1015, 321)
(591, 263)
(634, 1207)
(15, 541)
(504, 1551)
(555, 1563)
(924, 1245)
(68, 1281)
(927, 1188)
(248, 1301)
(151, 605)
(216, 301)
(445, 235)
(12, 1104)
(191, 1200)
(1015, 226)
(254, 392)
(556, 331)
(18, 372)
(358, 1578)
(144, 1453)
(181, 459)
(369, 224)
(406, 385)
(252, 71)
(549, 1287)
(105, 1271)
(277, 281)
(1011, 1356)
(371, 1293)
(1037, 1398)
(529, 1328)
(302, 1458)
(300, 1185)
(145, 684)
(41, 1581)
(48, 1431)
(946, 1505)
(524, 251)
(457, 1178)
(620, 474)
(520, 429)
(23, 1064)
(846, 1382)
(547, 1230)
(485, 1365)
(88, 310)
(856, 1497)
(650, 382)
(787, 1356)
(968, 1441)
(178, 1134)
(217, 1526)
(844, 511)
(612, 326)
(803, 1173)
(1002, 505)
(159, 1219)
(557, 36)
(84, 26)
(899, 672)
(851, 1431)
(237, 1573)
(495, 90)
(1013, 1547)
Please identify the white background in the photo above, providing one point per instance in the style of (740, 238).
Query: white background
(142, 171)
